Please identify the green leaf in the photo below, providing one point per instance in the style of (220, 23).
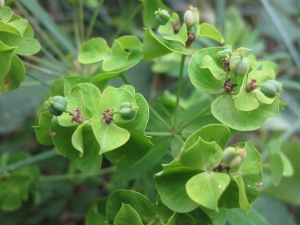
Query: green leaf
(235, 216)
(244, 204)
(206, 188)
(163, 211)
(109, 136)
(179, 219)
(10, 197)
(137, 201)
(202, 155)
(168, 28)
(225, 111)
(171, 187)
(202, 78)
(127, 216)
(130, 42)
(276, 168)
(26, 45)
(71, 81)
(112, 98)
(155, 46)
(96, 214)
(43, 130)
(211, 32)
(181, 36)
(214, 67)
(91, 98)
(142, 166)
(271, 68)
(94, 50)
(77, 139)
(117, 57)
(15, 75)
(65, 119)
(20, 25)
(138, 144)
(6, 55)
(6, 14)
(91, 161)
(150, 6)
(288, 170)
(217, 218)
(209, 133)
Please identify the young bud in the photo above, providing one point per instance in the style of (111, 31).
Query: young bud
(240, 65)
(191, 17)
(251, 86)
(162, 16)
(234, 156)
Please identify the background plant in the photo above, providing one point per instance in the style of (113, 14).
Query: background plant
(49, 189)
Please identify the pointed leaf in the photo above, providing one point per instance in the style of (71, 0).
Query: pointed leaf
(179, 219)
(206, 188)
(202, 155)
(244, 204)
(42, 130)
(276, 168)
(91, 98)
(77, 139)
(171, 187)
(225, 111)
(15, 75)
(214, 67)
(109, 136)
(94, 50)
(209, 31)
(71, 81)
(5, 60)
(202, 78)
(20, 25)
(235, 216)
(91, 161)
(117, 57)
(137, 201)
(127, 216)
(6, 14)
(181, 36)
(209, 133)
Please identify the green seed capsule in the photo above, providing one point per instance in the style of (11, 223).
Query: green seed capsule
(162, 16)
(54, 111)
(240, 65)
(275, 84)
(60, 99)
(268, 90)
(127, 114)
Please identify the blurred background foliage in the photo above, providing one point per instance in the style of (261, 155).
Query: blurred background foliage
(57, 194)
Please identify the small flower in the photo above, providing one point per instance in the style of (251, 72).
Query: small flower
(107, 117)
(225, 62)
(251, 86)
(77, 116)
(228, 86)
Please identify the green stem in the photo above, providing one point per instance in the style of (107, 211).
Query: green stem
(81, 22)
(34, 159)
(78, 175)
(93, 20)
(43, 70)
(179, 87)
(152, 110)
(131, 16)
(38, 79)
(124, 79)
(168, 134)
(44, 62)
(76, 29)
(193, 118)
(43, 34)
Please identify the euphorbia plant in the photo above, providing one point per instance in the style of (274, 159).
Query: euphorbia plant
(208, 174)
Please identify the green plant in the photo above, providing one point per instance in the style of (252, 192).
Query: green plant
(205, 175)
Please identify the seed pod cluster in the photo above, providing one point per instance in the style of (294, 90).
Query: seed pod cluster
(240, 65)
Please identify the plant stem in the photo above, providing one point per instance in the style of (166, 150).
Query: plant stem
(81, 21)
(124, 79)
(179, 87)
(78, 175)
(38, 79)
(43, 34)
(31, 160)
(44, 62)
(158, 134)
(43, 70)
(160, 118)
(94, 17)
(193, 118)
(121, 28)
